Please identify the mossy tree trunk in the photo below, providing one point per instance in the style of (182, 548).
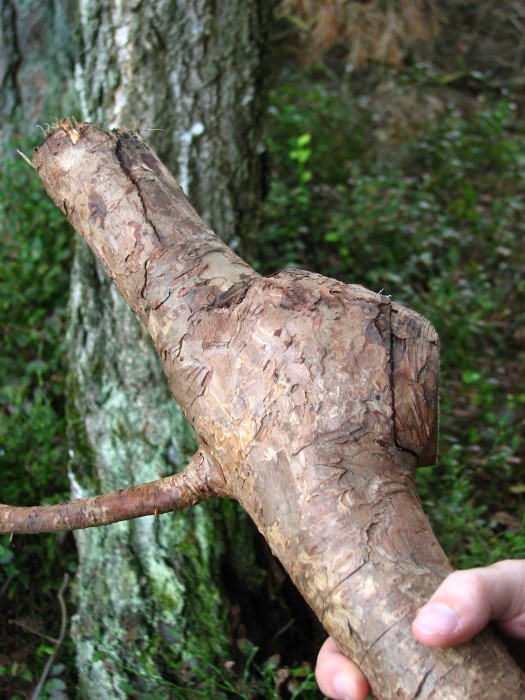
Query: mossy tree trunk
(191, 76)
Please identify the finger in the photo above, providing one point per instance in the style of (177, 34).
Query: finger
(511, 615)
(467, 600)
(337, 677)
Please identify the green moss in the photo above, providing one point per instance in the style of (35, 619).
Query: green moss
(147, 595)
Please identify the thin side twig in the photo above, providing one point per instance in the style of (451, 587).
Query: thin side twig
(28, 628)
(174, 492)
(27, 160)
(63, 628)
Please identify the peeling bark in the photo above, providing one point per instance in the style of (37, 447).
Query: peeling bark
(313, 402)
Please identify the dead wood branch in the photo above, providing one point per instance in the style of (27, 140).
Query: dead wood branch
(313, 402)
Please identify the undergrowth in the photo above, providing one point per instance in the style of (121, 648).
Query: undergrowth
(35, 249)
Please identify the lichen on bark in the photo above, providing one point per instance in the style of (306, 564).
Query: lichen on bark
(137, 581)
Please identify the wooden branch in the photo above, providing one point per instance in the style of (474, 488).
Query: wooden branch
(195, 484)
(313, 400)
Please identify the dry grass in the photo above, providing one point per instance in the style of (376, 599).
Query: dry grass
(379, 30)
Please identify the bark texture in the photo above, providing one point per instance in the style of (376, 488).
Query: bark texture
(313, 402)
(36, 64)
(189, 74)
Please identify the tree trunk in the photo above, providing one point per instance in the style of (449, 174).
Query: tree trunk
(36, 64)
(133, 626)
(191, 76)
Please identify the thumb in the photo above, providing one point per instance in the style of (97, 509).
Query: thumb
(467, 600)
(337, 676)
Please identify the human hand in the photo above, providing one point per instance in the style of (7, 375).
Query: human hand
(460, 608)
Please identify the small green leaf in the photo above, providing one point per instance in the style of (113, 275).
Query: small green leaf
(304, 140)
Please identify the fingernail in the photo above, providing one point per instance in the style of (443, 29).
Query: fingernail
(437, 618)
(341, 687)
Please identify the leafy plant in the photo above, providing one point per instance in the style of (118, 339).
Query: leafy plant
(245, 678)
(35, 248)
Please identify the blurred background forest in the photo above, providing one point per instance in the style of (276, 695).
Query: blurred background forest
(394, 157)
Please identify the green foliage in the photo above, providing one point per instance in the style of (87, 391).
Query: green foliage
(54, 687)
(35, 253)
(309, 135)
(245, 678)
(435, 219)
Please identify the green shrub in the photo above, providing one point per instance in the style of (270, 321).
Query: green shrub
(35, 248)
